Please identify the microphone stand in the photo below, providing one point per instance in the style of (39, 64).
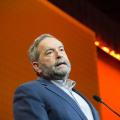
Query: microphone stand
(110, 109)
(98, 99)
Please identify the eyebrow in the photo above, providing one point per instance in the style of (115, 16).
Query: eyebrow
(53, 48)
(61, 46)
(48, 49)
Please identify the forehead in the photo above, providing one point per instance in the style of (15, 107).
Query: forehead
(49, 43)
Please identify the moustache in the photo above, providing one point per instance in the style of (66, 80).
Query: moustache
(61, 61)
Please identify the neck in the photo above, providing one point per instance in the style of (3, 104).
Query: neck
(55, 77)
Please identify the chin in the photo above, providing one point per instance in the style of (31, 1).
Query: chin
(63, 72)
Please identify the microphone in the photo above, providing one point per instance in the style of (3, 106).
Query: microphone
(98, 99)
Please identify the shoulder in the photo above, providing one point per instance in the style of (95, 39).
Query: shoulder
(32, 88)
(31, 84)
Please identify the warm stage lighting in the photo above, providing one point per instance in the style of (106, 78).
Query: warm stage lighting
(107, 50)
(97, 43)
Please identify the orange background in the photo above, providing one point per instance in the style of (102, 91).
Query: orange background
(109, 83)
(21, 22)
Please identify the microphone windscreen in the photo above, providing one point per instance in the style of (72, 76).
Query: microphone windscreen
(98, 99)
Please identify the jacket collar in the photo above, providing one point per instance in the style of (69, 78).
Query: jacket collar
(94, 112)
(50, 86)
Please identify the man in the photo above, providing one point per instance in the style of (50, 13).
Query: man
(52, 96)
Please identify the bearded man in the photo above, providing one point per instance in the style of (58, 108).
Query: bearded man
(52, 96)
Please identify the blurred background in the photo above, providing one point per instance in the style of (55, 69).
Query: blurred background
(89, 30)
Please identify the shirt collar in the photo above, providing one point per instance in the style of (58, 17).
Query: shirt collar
(68, 84)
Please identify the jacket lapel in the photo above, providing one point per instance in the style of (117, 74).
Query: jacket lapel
(50, 86)
(94, 112)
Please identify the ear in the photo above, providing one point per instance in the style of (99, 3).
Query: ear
(36, 67)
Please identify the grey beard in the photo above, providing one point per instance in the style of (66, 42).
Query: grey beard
(56, 76)
(52, 74)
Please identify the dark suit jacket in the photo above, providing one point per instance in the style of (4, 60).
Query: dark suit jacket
(42, 100)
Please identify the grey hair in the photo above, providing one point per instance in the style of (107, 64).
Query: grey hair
(33, 50)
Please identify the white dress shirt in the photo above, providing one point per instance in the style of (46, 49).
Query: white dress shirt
(66, 86)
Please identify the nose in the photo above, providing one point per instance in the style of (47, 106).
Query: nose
(59, 54)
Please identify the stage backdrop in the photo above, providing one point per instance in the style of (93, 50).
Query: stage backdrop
(23, 20)
(109, 84)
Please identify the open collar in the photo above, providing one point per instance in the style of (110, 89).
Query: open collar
(50, 86)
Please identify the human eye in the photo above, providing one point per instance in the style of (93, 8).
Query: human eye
(49, 52)
(61, 48)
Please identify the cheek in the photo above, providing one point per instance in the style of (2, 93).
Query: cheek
(48, 61)
(66, 57)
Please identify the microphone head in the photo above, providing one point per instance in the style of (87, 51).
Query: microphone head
(98, 99)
